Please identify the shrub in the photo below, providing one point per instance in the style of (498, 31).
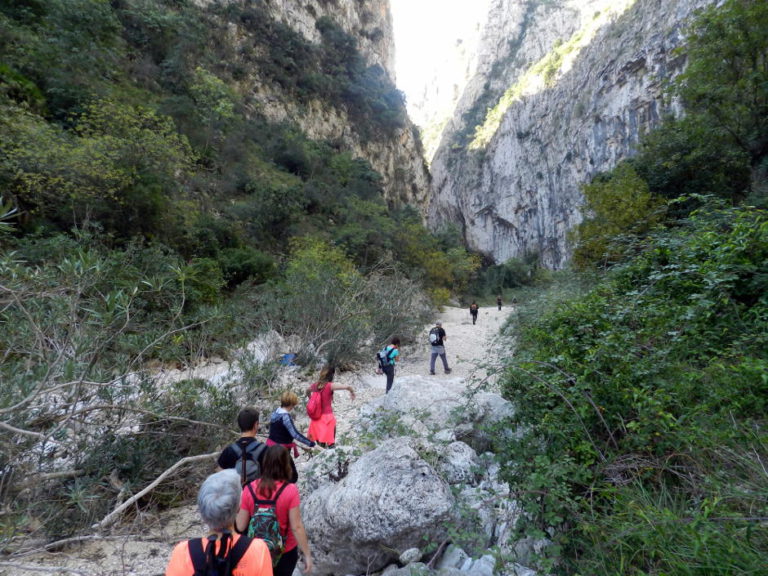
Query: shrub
(619, 205)
(634, 386)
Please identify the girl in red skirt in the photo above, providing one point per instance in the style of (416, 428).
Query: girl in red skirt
(323, 429)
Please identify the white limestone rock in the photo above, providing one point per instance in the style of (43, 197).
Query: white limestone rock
(520, 193)
(390, 501)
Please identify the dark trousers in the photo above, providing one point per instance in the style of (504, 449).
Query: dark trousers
(390, 372)
(474, 317)
(287, 563)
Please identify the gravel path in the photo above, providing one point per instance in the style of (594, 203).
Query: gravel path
(467, 347)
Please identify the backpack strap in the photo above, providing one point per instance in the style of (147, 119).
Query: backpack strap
(273, 501)
(243, 478)
(253, 494)
(238, 551)
(197, 555)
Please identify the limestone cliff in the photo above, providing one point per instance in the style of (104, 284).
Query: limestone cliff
(563, 90)
(396, 155)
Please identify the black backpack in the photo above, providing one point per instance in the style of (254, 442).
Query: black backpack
(434, 337)
(382, 356)
(209, 563)
(248, 460)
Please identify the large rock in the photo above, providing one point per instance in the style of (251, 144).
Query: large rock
(390, 501)
(442, 410)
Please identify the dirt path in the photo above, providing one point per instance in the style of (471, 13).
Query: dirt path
(466, 347)
(145, 551)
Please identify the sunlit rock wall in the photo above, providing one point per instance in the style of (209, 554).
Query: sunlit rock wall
(583, 81)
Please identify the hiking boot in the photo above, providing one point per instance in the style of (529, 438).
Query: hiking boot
(431, 373)
(447, 370)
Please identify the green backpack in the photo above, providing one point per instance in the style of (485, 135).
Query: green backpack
(264, 524)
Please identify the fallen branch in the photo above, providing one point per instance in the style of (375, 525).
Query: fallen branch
(20, 431)
(36, 479)
(438, 553)
(113, 516)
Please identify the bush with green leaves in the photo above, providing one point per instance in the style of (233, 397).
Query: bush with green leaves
(83, 327)
(653, 383)
(618, 208)
(335, 309)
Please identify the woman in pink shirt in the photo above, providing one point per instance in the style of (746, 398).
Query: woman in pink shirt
(323, 430)
(275, 476)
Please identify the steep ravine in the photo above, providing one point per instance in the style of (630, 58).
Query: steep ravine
(395, 155)
(582, 80)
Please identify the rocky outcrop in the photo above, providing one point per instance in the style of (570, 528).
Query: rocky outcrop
(570, 86)
(390, 501)
(397, 154)
(420, 483)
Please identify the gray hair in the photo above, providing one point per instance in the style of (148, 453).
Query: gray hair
(219, 499)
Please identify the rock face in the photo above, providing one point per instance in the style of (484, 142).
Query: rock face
(397, 502)
(397, 156)
(389, 500)
(572, 85)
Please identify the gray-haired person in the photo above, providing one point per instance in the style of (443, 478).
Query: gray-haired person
(218, 503)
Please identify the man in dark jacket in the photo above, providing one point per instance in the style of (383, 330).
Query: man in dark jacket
(437, 338)
(247, 445)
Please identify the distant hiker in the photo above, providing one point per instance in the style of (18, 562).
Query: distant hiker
(283, 431)
(473, 309)
(387, 358)
(275, 490)
(437, 337)
(246, 453)
(218, 502)
(498, 301)
(323, 428)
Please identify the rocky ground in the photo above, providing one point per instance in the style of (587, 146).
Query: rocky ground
(142, 549)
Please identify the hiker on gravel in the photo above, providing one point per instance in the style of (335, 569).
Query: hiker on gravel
(219, 504)
(498, 301)
(387, 365)
(246, 454)
(437, 338)
(275, 485)
(323, 429)
(283, 431)
(473, 310)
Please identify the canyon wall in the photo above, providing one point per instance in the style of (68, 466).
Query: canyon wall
(396, 155)
(562, 91)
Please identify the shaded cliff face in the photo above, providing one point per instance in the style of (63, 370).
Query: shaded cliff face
(569, 88)
(395, 154)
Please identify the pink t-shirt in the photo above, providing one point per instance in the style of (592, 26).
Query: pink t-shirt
(289, 499)
(326, 395)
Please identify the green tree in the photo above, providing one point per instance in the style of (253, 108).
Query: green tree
(686, 157)
(618, 204)
(122, 166)
(726, 81)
